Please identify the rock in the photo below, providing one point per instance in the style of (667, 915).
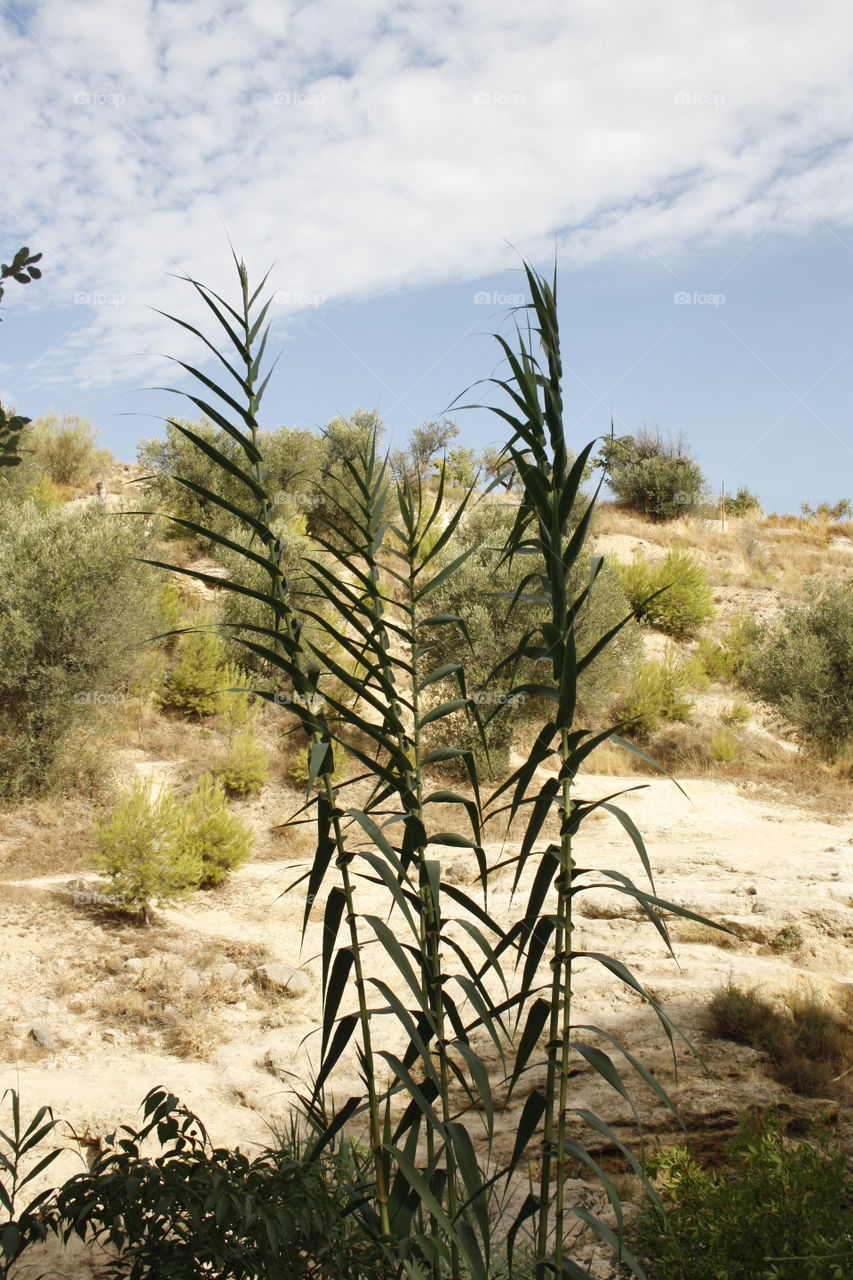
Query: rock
(191, 982)
(229, 974)
(287, 980)
(36, 1007)
(602, 904)
(42, 1036)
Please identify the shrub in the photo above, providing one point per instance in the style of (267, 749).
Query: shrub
(293, 461)
(246, 767)
(479, 592)
(723, 746)
(789, 938)
(66, 449)
(139, 847)
(75, 605)
(803, 665)
(657, 694)
(743, 503)
(170, 1204)
(807, 1045)
(197, 683)
(684, 605)
(652, 475)
(778, 1209)
(211, 835)
(736, 714)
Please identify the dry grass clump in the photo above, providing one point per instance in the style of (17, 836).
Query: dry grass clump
(703, 934)
(810, 1046)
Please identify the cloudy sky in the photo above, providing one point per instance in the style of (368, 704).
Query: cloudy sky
(691, 166)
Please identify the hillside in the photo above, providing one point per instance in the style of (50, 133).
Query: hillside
(96, 1009)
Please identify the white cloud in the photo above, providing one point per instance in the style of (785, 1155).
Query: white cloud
(365, 147)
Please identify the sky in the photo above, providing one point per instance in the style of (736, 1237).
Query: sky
(689, 168)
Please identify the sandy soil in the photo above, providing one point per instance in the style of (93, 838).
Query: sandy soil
(120, 1006)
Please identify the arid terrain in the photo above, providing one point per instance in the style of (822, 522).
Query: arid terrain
(95, 1009)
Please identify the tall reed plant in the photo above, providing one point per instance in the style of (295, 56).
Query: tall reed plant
(349, 663)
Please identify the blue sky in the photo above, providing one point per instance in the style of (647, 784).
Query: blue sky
(691, 166)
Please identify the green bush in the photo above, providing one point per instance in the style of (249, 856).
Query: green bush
(66, 449)
(657, 694)
(743, 503)
(802, 664)
(778, 1210)
(141, 850)
(246, 767)
(653, 476)
(736, 714)
(75, 605)
(685, 603)
(725, 659)
(479, 592)
(162, 1201)
(211, 834)
(293, 460)
(723, 746)
(197, 684)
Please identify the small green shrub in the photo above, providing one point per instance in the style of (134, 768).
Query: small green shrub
(685, 604)
(44, 494)
(197, 684)
(723, 746)
(790, 938)
(211, 835)
(725, 660)
(778, 1210)
(657, 694)
(141, 850)
(803, 665)
(246, 767)
(742, 503)
(714, 659)
(297, 768)
(737, 714)
(474, 593)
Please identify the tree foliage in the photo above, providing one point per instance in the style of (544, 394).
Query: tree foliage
(75, 605)
(803, 664)
(652, 475)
